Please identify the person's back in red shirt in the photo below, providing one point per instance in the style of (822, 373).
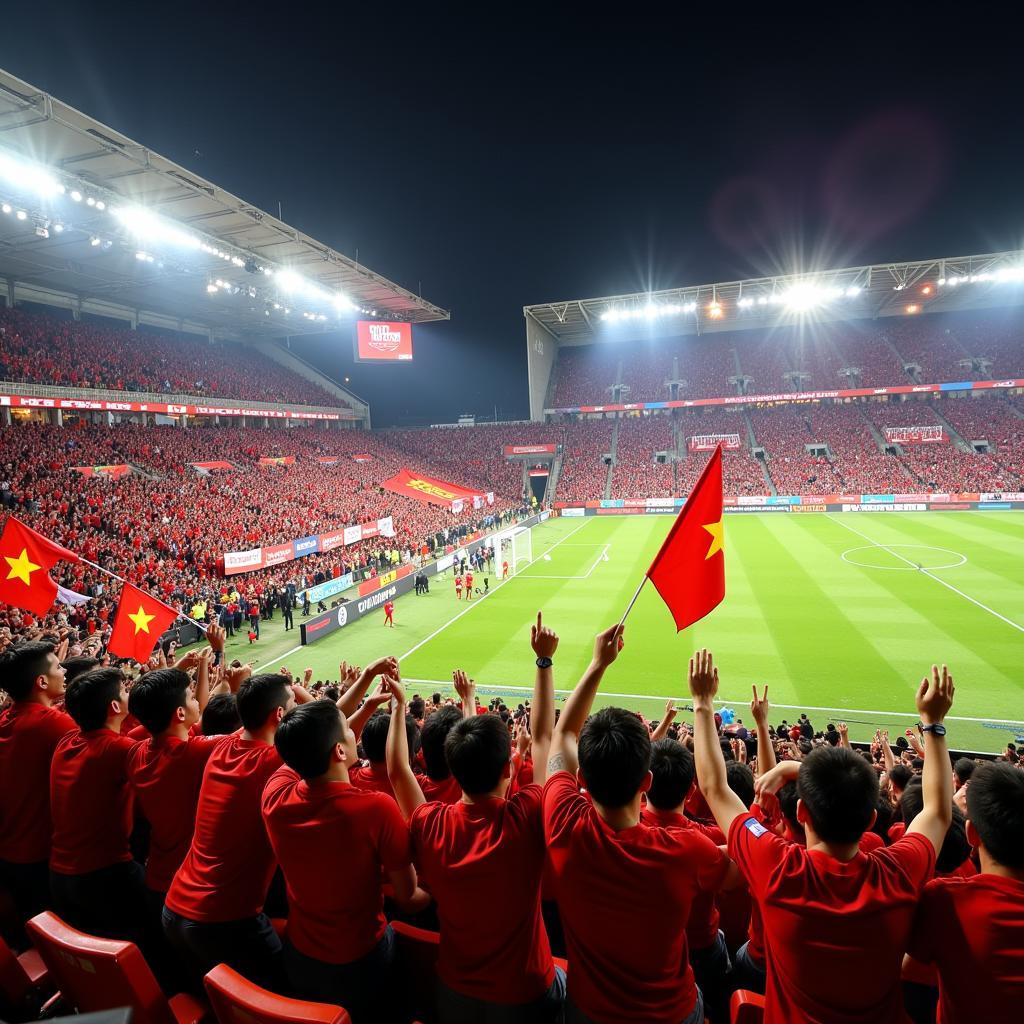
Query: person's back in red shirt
(972, 928)
(30, 730)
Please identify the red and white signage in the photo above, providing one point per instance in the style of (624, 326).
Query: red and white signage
(709, 442)
(276, 554)
(530, 449)
(916, 435)
(212, 465)
(240, 561)
(383, 341)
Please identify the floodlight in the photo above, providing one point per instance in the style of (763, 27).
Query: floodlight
(76, 195)
(21, 215)
(29, 177)
(6, 207)
(853, 291)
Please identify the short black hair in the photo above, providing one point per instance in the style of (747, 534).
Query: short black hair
(259, 695)
(884, 813)
(995, 807)
(417, 707)
(76, 666)
(433, 736)
(900, 775)
(156, 696)
(477, 749)
(307, 735)
(374, 737)
(964, 769)
(220, 716)
(839, 790)
(22, 665)
(88, 697)
(788, 798)
(673, 771)
(741, 781)
(615, 756)
(955, 848)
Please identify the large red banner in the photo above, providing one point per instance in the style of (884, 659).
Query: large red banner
(424, 488)
(530, 449)
(212, 465)
(932, 434)
(113, 471)
(378, 341)
(278, 460)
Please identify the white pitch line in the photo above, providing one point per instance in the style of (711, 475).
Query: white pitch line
(585, 576)
(287, 654)
(497, 587)
(930, 575)
(742, 702)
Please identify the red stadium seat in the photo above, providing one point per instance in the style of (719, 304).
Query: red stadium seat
(746, 1007)
(102, 974)
(417, 950)
(237, 1001)
(24, 980)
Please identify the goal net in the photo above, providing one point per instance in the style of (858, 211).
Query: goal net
(516, 548)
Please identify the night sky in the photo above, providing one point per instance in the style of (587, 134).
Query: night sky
(498, 156)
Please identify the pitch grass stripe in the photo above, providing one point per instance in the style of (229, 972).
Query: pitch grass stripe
(495, 687)
(494, 590)
(287, 654)
(586, 575)
(929, 574)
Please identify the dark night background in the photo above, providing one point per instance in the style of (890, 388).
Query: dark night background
(508, 155)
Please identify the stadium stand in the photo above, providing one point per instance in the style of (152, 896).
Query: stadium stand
(584, 472)
(636, 474)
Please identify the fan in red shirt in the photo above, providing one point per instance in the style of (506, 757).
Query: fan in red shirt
(96, 885)
(339, 947)
(389, 611)
(492, 951)
(373, 778)
(437, 782)
(837, 919)
(972, 929)
(624, 889)
(213, 912)
(30, 729)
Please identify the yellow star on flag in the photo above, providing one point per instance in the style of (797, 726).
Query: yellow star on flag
(141, 620)
(717, 538)
(21, 567)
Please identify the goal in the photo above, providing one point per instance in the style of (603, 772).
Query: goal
(515, 547)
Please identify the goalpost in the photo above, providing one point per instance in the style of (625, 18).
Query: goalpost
(514, 546)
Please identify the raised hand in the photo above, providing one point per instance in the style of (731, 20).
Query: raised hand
(384, 667)
(215, 637)
(670, 710)
(935, 696)
(286, 673)
(703, 677)
(544, 641)
(464, 686)
(608, 644)
(390, 688)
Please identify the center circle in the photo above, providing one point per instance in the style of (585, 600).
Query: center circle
(922, 556)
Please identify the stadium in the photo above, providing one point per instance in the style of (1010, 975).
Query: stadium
(215, 513)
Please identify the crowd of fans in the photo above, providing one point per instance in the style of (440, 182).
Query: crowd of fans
(584, 471)
(37, 348)
(636, 474)
(184, 803)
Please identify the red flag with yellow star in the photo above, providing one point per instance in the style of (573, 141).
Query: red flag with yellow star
(689, 570)
(140, 622)
(26, 559)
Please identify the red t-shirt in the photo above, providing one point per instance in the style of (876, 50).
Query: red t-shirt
(837, 931)
(493, 947)
(389, 607)
(228, 867)
(623, 897)
(702, 924)
(336, 915)
(372, 779)
(166, 775)
(447, 791)
(90, 801)
(29, 733)
(972, 929)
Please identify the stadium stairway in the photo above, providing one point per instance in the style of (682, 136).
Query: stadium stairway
(875, 432)
(954, 434)
(615, 451)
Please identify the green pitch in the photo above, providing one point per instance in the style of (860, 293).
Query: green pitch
(840, 615)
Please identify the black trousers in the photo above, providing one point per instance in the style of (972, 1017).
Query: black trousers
(110, 903)
(28, 886)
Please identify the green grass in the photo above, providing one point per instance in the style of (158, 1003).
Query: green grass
(846, 640)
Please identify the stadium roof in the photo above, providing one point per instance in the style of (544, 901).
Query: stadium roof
(884, 289)
(91, 254)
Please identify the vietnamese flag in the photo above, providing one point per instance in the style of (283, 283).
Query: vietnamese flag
(140, 622)
(689, 570)
(26, 559)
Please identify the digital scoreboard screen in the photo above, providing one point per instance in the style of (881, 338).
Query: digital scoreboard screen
(380, 341)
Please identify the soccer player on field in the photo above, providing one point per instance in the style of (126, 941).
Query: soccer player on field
(389, 610)
(504, 570)
(469, 586)
(458, 588)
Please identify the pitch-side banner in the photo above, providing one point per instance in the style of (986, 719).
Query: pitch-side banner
(425, 489)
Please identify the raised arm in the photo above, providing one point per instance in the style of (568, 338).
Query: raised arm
(380, 696)
(544, 642)
(667, 719)
(354, 694)
(707, 751)
(887, 756)
(403, 780)
(844, 735)
(565, 739)
(934, 699)
(466, 689)
(760, 709)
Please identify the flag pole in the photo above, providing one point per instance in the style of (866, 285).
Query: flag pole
(629, 607)
(113, 575)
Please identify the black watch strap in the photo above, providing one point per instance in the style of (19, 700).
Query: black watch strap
(939, 729)
(544, 663)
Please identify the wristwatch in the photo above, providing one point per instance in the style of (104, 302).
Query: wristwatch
(544, 663)
(938, 729)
